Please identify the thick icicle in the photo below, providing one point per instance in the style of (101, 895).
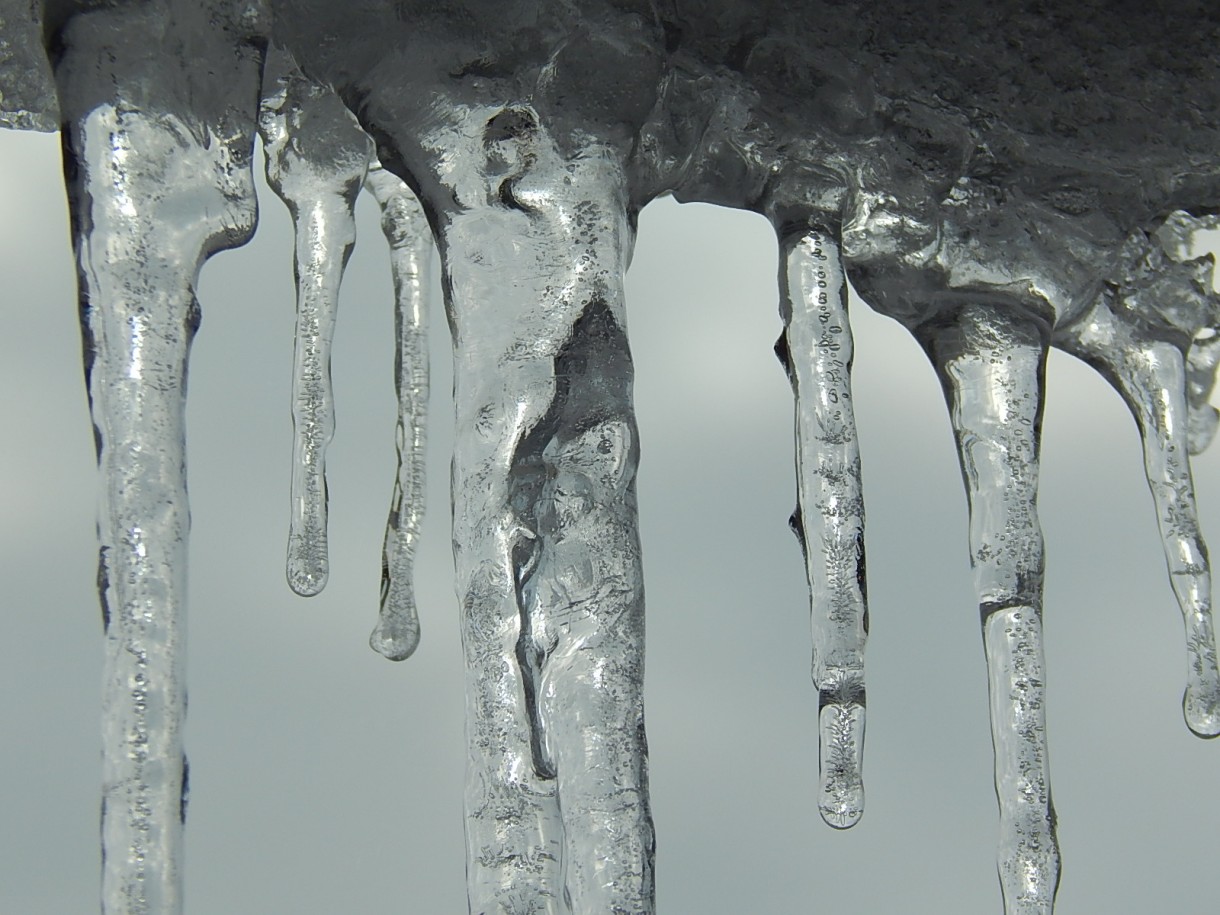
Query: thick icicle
(316, 161)
(817, 349)
(545, 535)
(154, 190)
(1135, 336)
(992, 362)
(410, 238)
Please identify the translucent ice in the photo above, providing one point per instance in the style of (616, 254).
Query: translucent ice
(154, 188)
(829, 519)
(317, 157)
(998, 179)
(410, 239)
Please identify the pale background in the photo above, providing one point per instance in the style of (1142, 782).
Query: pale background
(327, 780)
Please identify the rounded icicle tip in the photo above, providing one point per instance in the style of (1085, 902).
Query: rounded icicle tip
(307, 579)
(1202, 712)
(841, 807)
(395, 638)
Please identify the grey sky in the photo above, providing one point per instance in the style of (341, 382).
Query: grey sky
(325, 779)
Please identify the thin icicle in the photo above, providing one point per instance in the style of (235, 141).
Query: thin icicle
(830, 514)
(992, 363)
(316, 160)
(1155, 391)
(1135, 336)
(410, 238)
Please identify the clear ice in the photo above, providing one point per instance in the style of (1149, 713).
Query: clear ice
(993, 204)
(317, 157)
(411, 253)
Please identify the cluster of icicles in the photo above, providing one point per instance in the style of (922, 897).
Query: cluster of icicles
(544, 525)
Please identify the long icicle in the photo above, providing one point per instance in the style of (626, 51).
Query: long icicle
(1155, 389)
(1151, 376)
(546, 545)
(138, 326)
(154, 191)
(829, 519)
(316, 161)
(410, 239)
(992, 364)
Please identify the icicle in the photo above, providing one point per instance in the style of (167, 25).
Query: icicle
(545, 538)
(154, 191)
(991, 363)
(1134, 336)
(1153, 382)
(829, 519)
(138, 326)
(316, 160)
(406, 229)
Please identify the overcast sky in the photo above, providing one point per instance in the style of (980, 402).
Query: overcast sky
(327, 780)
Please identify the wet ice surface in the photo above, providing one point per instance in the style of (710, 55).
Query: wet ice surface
(545, 464)
(359, 726)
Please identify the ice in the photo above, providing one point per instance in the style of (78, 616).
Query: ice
(317, 157)
(992, 368)
(993, 200)
(817, 349)
(153, 192)
(1143, 334)
(411, 254)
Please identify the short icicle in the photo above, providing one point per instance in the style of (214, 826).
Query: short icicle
(154, 190)
(410, 238)
(316, 161)
(991, 362)
(829, 520)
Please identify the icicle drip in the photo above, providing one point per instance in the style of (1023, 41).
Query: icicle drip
(410, 238)
(991, 363)
(316, 161)
(153, 192)
(817, 346)
(1135, 336)
(545, 535)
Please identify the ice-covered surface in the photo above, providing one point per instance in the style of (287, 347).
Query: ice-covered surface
(27, 92)
(992, 178)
